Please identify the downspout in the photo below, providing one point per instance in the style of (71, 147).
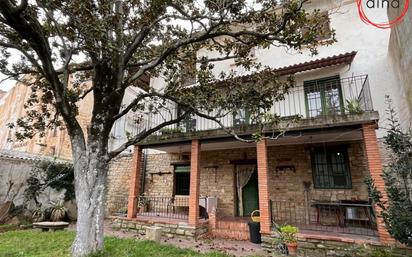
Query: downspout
(143, 171)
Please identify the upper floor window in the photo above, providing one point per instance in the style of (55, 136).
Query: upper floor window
(330, 168)
(241, 117)
(323, 97)
(325, 31)
(188, 124)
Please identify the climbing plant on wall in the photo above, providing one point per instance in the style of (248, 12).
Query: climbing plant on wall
(397, 210)
(53, 174)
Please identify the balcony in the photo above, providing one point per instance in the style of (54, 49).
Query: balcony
(331, 101)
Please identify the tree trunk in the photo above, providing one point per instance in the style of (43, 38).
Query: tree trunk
(90, 169)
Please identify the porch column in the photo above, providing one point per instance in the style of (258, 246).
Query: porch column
(194, 183)
(263, 181)
(134, 183)
(375, 169)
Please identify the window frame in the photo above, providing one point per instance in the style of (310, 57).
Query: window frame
(329, 150)
(175, 185)
(235, 116)
(322, 90)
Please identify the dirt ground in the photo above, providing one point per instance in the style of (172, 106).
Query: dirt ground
(230, 247)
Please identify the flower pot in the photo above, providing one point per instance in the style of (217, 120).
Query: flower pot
(292, 248)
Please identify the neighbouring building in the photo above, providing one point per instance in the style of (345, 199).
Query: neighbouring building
(313, 177)
(400, 45)
(56, 141)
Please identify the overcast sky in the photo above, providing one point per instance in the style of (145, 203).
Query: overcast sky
(6, 85)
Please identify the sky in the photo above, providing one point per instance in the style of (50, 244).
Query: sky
(6, 85)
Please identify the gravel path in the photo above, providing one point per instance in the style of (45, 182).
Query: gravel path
(230, 247)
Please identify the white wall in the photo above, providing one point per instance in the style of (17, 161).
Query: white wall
(370, 43)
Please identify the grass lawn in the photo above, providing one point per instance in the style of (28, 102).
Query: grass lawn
(29, 243)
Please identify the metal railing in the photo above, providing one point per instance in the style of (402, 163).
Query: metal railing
(165, 207)
(314, 99)
(336, 217)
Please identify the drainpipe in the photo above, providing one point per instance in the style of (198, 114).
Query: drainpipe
(143, 171)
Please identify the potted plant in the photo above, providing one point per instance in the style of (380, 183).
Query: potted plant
(38, 215)
(57, 211)
(143, 204)
(353, 106)
(289, 237)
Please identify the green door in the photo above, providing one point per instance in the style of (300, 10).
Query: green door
(250, 196)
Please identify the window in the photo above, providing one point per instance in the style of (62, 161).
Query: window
(188, 124)
(182, 180)
(330, 168)
(241, 117)
(323, 97)
(324, 31)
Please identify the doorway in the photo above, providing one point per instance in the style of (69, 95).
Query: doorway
(250, 195)
(247, 189)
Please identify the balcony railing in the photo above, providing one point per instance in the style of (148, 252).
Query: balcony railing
(325, 98)
(337, 217)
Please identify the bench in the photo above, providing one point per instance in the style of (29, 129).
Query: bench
(51, 225)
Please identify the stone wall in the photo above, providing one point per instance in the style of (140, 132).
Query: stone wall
(218, 175)
(287, 190)
(118, 184)
(324, 246)
(169, 229)
(15, 169)
(159, 175)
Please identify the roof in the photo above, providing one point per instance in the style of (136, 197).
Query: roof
(345, 58)
(10, 154)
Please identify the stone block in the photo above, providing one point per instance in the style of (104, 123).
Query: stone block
(180, 231)
(154, 233)
(190, 233)
(131, 225)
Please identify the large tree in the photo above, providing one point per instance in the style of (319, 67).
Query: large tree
(118, 43)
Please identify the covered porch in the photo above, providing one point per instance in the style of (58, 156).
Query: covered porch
(280, 182)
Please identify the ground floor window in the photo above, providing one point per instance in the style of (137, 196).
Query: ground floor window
(330, 168)
(182, 180)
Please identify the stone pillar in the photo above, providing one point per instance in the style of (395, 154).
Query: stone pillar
(263, 181)
(194, 183)
(374, 162)
(134, 183)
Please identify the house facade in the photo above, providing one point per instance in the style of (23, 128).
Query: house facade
(195, 174)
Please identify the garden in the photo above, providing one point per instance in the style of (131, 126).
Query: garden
(30, 243)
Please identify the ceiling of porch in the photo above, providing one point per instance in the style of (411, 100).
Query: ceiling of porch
(291, 138)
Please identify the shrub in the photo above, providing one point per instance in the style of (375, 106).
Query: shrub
(397, 211)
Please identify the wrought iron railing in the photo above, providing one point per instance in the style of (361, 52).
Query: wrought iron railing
(330, 97)
(165, 207)
(337, 217)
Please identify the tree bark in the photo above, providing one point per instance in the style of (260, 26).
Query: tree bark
(90, 169)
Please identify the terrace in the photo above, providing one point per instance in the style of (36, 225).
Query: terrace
(330, 101)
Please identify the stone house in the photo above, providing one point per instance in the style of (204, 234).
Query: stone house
(196, 178)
